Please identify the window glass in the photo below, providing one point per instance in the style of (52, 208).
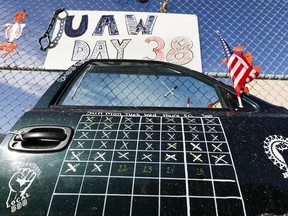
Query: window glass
(118, 87)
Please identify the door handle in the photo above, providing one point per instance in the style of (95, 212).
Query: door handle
(41, 139)
(60, 136)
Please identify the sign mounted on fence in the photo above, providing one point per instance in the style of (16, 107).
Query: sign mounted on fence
(82, 35)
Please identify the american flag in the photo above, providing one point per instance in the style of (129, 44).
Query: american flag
(241, 71)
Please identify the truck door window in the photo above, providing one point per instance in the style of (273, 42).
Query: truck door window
(131, 88)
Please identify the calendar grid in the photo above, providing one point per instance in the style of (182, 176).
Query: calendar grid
(171, 164)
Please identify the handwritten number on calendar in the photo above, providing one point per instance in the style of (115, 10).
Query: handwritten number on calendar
(122, 168)
(170, 169)
(147, 169)
(200, 171)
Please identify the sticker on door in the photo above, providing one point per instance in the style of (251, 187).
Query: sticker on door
(19, 185)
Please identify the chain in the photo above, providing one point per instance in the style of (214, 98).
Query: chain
(46, 35)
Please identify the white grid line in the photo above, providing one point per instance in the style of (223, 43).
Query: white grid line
(134, 171)
(160, 152)
(83, 177)
(109, 174)
(210, 168)
(186, 170)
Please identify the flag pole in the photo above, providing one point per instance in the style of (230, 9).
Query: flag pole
(240, 102)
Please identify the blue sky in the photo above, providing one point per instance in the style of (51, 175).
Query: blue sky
(259, 25)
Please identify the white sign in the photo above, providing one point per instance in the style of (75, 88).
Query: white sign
(172, 38)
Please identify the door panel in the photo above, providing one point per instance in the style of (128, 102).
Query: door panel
(196, 163)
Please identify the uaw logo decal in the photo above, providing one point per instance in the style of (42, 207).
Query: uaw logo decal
(274, 146)
(19, 185)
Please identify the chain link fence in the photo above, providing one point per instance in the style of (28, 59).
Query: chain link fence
(260, 26)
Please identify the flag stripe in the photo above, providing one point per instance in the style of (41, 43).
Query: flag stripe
(238, 82)
(235, 70)
(240, 70)
(242, 59)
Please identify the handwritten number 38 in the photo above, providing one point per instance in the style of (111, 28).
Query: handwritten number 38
(180, 52)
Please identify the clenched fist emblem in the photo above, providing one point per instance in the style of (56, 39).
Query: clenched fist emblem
(18, 185)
